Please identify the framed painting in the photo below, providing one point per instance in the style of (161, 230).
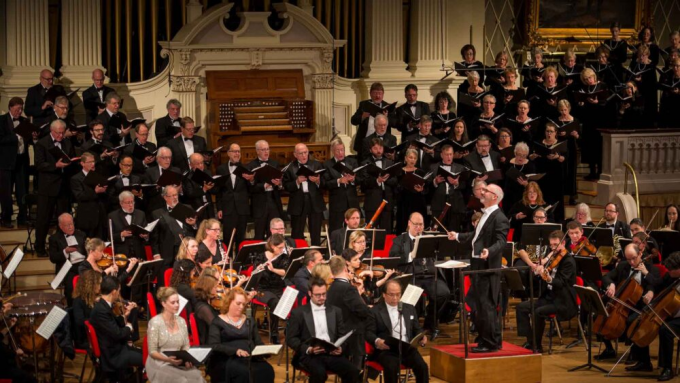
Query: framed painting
(583, 21)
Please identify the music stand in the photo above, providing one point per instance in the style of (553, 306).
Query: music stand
(538, 234)
(144, 274)
(293, 267)
(592, 303)
(602, 236)
(668, 240)
(513, 282)
(429, 247)
(254, 281)
(300, 251)
(508, 252)
(247, 254)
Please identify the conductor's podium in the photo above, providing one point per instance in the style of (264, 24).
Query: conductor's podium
(511, 364)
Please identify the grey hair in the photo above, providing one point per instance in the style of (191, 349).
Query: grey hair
(125, 194)
(381, 117)
(260, 143)
(61, 100)
(585, 208)
(275, 220)
(163, 149)
(472, 74)
(63, 216)
(521, 147)
(173, 101)
(164, 193)
(489, 96)
(57, 123)
(112, 96)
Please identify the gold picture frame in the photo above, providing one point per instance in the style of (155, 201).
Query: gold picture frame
(551, 36)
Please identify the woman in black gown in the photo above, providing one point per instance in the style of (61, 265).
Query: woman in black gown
(565, 118)
(182, 272)
(469, 53)
(205, 290)
(233, 337)
(410, 200)
(646, 38)
(545, 103)
(273, 264)
(553, 165)
(630, 108)
(480, 123)
(593, 114)
(532, 73)
(670, 99)
(646, 83)
(504, 145)
(440, 127)
(618, 50)
(523, 211)
(469, 111)
(514, 187)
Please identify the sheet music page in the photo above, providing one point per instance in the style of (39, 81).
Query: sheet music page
(286, 303)
(71, 240)
(182, 303)
(16, 259)
(411, 295)
(269, 349)
(151, 226)
(199, 353)
(342, 340)
(451, 264)
(60, 275)
(51, 322)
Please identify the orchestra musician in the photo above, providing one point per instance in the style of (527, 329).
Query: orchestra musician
(667, 338)
(488, 241)
(265, 198)
(94, 96)
(180, 281)
(557, 294)
(645, 274)
(168, 127)
(531, 255)
(208, 238)
(67, 244)
(376, 189)
(273, 264)
(352, 220)
(85, 296)
(637, 225)
(233, 206)
(188, 250)
(342, 187)
(408, 114)
(320, 319)
(208, 302)
(391, 319)
(304, 274)
(670, 220)
(611, 214)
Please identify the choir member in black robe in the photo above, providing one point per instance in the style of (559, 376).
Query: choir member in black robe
(553, 165)
(503, 142)
(409, 113)
(507, 101)
(618, 49)
(645, 79)
(523, 210)
(565, 117)
(409, 199)
(605, 71)
(532, 73)
(646, 38)
(495, 78)
(670, 100)
(443, 103)
(461, 137)
(630, 108)
(479, 123)
(569, 70)
(514, 187)
(364, 120)
(468, 111)
(521, 127)
(469, 53)
(548, 94)
(593, 114)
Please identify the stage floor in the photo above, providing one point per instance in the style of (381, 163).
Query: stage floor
(555, 366)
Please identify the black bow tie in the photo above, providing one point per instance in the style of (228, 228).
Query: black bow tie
(169, 209)
(16, 119)
(412, 105)
(97, 142)
(99, 89)
(124, 176)
(421, 136)
(188, 139)
(57, 142)
(128, 214)
(377, 159)
(233, 164)
(484, 156)
(263, 162)
(380, 137)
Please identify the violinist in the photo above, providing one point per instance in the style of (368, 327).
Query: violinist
(577, 243)
(558, 296)
(67, 243)
(645, 274)
(637, 225)
(356, 276)
(642, 241)
(666, 337)
(203, 261)
(273, 264)
(96, 260)
(85, 296)
(9, 370)
(208, 301)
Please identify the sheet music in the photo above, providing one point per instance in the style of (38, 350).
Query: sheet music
(61, 275)
(286, 303)
(342, 340)
(411, 295)
(12, 266)
(199, 353)
(71, 241)
(452, 265)
(182, 303)
(270, 349)
(51, 322)
(151, 226)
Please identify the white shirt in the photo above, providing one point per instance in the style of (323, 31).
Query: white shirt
(393, 311)
(320, 323)
(232, 175)
(125, 179)
(188, 146)
(305, 184)
(637, 277)
(480, 225)
(74, 257)
(488, 165)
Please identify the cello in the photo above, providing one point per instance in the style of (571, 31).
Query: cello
(628, 293)
(645, 328)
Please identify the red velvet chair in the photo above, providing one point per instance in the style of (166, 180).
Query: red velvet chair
(167, 276)
(301, 243)
(248, 242)
(152, 305)
(193, 337)
(375, 365)
(385, 252)
(95, 352)
(75, 281)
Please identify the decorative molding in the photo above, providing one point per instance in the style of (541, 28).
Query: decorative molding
(256, 58)
(184, 83)
(323, 81)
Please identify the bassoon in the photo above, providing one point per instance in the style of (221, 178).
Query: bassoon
(376, 215)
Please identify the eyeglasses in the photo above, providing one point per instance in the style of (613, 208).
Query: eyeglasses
(417, 224)
(165, 157)
(47, 78)
(539, 217)
(394, 295)
(489, 191)
(319, 295)
(126, 165)
(488, 102)
(610, 211)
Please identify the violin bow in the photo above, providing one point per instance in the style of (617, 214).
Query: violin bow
(440, 224)
(224, 264)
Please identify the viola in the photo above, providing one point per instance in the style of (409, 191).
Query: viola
(584, 248)
(217, 299)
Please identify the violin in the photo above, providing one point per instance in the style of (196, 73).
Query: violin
(217, 299)
(118, 307)
(584, 248)
(229, 276)
(121, 260)
(553, 262)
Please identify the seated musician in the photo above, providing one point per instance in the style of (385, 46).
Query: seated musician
(645, 274)
(8, 354)
(114, 330)
(318, 320)
(203, 261)
(85, 296)
(577, 243)
(352, 220)
(273, 263)
(523, 211)
(611, 215)
(232, 337)
(208, 238)
(357, 242)
(180, 280)
(667, 338)
(67, 243)
(360, 271)
(648, 252)
(582, 215)
(385, 324)
(205, 291)
(637, 225)
(168, 332)
(557, 294)
(529, 255)
(423, 269)
(302, 276)
(188, 250)
(95, 253)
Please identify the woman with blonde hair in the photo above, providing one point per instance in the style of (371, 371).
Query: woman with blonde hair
(85, 295)
(643, 67)
(323, 271)
(208, 238)
(188, 249)
(95, 252)
(594, 117)
(408, 200)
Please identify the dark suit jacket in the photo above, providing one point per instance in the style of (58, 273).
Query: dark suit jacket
(620, 228)
(232, 198)
(401, 248)
(57, 242)
(51, 179)
(153, 197)
(438, 195)
(165, 130)
(131, 246)
(344, 296)
(193, 195)
(404, 115)
(92, 101)
(362, 130)
(343, 197)
(33, 105)
(9, 143)
(111, 132)
(258, 196)
(373, 193)
(301, 282)
(475, 160)
(166, 238)
(104, 166)
(301, 327)
(381, 326)
(296, 200)
(180, 159)
(622, 271)
(389, 141)
(563, 294)
(114, 190)
(112, 336)
(91, 206)
(138, 166)
(338, 240)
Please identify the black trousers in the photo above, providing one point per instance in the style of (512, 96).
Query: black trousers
(271, 298)
(410, 358)
(238, 222)
(237, 370)
(335, 220)
(318, 365)
(6, 195)
(311, 218)
(129, 357)
(486, 312)
(442, 294)
(46, 207)
(20, 186)
(666, 343)
(262, 223)
(542, 310)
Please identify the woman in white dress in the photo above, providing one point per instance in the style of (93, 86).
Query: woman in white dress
(168, 332)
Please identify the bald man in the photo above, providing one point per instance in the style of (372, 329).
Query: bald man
(233, 205)
(36, 106)
(306, 202)
(94, 96)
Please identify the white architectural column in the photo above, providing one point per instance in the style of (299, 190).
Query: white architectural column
(384, 40)
(81, 40)
(323, 106)
(428, 38)
(26, 42)
(186, 90)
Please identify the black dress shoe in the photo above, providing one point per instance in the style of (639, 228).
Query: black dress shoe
(666, 374)
(480, 350)
(527, 345)
(606, 354)
(41, 254)
(641, 366)
(630, 360)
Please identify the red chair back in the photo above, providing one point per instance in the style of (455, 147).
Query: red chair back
(662, 270)
(183, 314)
(108, 251)
(247, 272)
(301, 243)
(167, 276)
(466, 285)
(92, 340)
(75, 281)
(385, 252)
(579, 282)
(145, 349)
(148, 252)
(193, 337)
(369, 348)
(511, 233)
(248, 242)
(152, 305)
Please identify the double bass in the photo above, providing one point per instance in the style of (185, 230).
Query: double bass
(645, 328)
(628, 293)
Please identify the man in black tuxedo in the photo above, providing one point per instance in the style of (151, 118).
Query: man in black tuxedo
(426, 156)
(323, 321)
(611, 215)
(301, 278)
(233, 205)
(124, 240)
(488, 241)
(168, 127)
(197, 195)
(167, 237)
(342, 187)
(112, 332)
(277, 226)
(385, 324)
(343, 295)
(365, 121)
(409, 114)
(94, 96)
(558, 297)
(153, 197)
(123, 182)
(67, 243)
(36, 106)
(105, 157)
(306, 199)
(119, 134)
(141, 162)
(448, 190)
(53, 186)
(265, 198)
(14, 163)
(91, 210)
(483, 159)
(377, 189)
(352, 220)
(648, 277)
(383, 134)
(422, 269)
(186, 144)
